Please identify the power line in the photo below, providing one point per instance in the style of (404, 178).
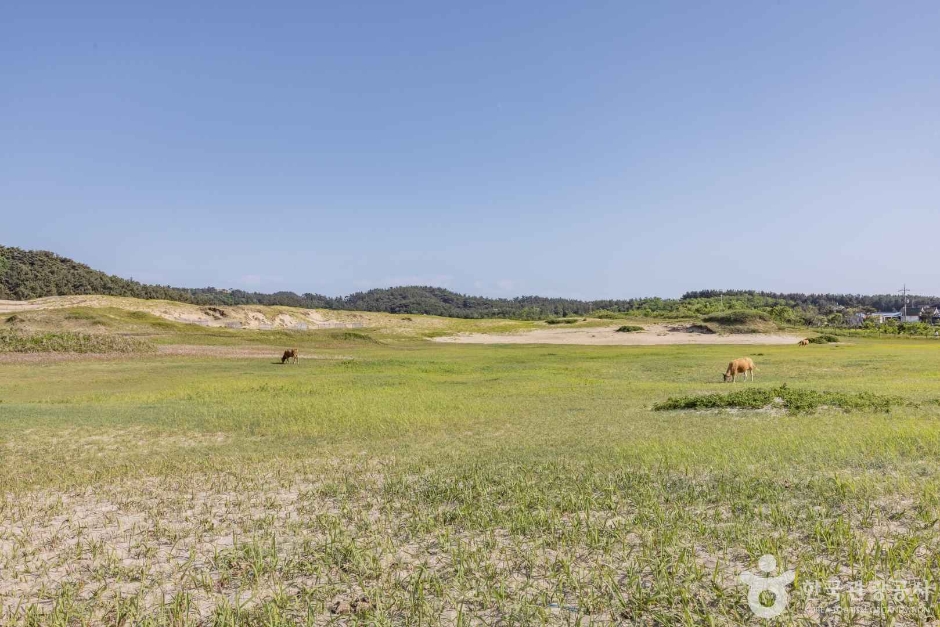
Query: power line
(904, 292)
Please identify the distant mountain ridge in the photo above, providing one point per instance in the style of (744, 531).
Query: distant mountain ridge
(28, 274)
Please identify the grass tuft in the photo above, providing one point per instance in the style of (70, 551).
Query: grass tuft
(794, 400)
(353, 336)
(561, 321)
(629, 328)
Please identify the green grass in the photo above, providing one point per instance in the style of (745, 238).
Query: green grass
(629, 328)
(784, 397)
(12, 341)
(461, 483)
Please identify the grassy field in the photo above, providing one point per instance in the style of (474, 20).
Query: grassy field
(390, 480)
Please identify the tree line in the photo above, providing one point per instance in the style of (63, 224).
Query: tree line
(28, 274)
(824, 302)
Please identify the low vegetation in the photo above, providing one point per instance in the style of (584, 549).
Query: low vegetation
(561, 321)
(736, 318)
(823, 339)
(742, 321)
(12, 341)
(355, 336)
(629, 328)
(783, 397)
(408, 482)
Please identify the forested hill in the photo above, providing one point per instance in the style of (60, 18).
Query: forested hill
(27, 274)
(32, 274)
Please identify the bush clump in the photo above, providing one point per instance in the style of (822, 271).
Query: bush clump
(794, 400)
(739, 321)
(70, 342)
(604, 314)
(629, 328)
(823, 339)
(738, 317)
(561, 321)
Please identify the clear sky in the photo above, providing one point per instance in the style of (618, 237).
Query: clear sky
(585, 149)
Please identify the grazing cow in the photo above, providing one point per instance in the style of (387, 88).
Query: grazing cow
(736, 367)
(290, 355)
(804, 342)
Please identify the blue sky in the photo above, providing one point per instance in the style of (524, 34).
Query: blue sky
(585, 149)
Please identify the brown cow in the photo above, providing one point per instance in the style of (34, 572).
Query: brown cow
(290, 355)
(804, 342)
(736, 367)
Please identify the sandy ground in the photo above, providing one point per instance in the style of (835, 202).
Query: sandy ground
(653, 335)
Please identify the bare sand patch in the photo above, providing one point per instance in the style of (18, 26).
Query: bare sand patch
(652, 335)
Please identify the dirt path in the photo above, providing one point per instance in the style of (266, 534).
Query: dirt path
(652, 335)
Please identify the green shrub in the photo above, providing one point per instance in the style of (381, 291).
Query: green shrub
(739, 317)
(93, 317)
(70, 342)
(823, 339)
(561, 321)
(629, 328)
(604, 314)
(80, 315)
(739, 321)
(794, 400)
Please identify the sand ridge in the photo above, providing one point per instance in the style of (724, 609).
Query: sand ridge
(230, 316)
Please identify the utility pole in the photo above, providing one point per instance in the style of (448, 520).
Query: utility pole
(904, 292)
